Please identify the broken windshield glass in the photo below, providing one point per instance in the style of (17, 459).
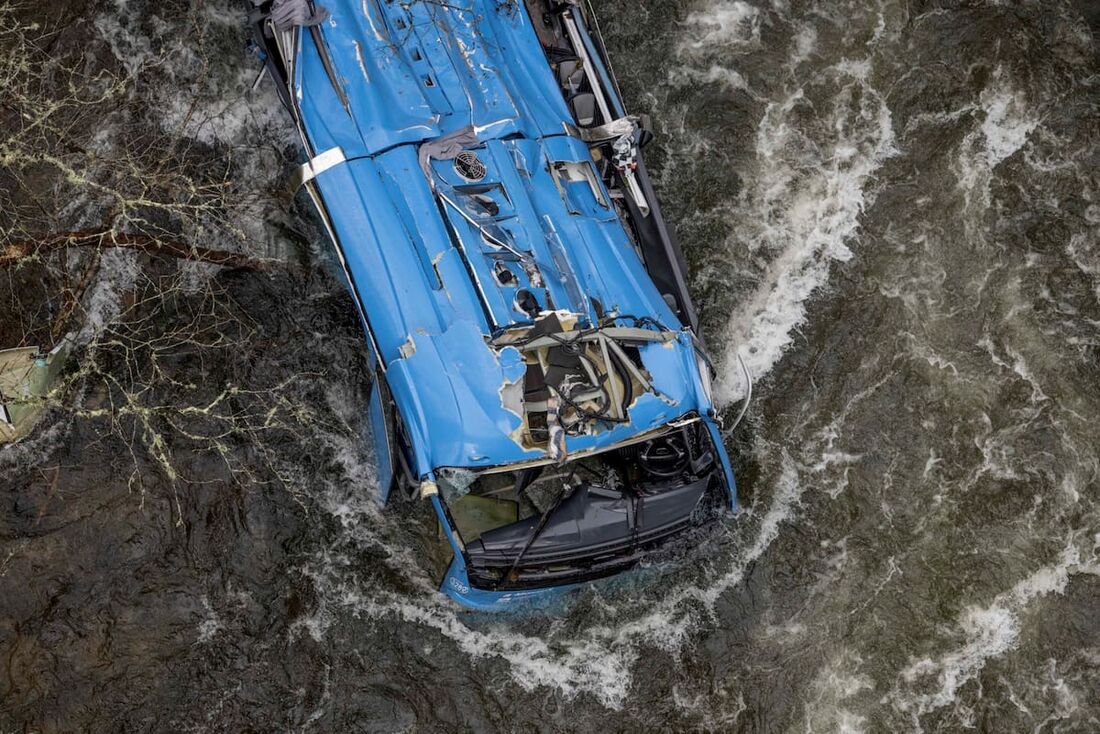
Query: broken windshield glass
(553, 523)
(482, 502)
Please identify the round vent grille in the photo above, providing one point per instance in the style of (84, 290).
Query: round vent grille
(469, 166)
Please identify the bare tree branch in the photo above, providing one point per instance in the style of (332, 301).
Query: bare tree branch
(14, 251)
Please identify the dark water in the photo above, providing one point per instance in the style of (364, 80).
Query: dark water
(891, 211)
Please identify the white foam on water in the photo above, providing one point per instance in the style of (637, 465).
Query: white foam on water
(727, 25)
(597, 661)
(836, 682)
(805, 44)
(800, 209)
(211, 625)
(134, 49)
(788, 492)
(17, 455)
(1084, 249)
(118, 272)
(712, 718)
(931, 683)
(229, 117)
(1007, 123)
(683, 76)
(1066, 701)
(571, 667)
(213, 104)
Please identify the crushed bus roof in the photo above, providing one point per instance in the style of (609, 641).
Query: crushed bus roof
(509, 230)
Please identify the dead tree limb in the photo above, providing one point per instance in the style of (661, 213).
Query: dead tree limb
(12, 252)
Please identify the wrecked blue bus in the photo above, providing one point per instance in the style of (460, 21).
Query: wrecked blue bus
(541, 381)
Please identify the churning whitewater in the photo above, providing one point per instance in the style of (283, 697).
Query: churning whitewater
(890, 212)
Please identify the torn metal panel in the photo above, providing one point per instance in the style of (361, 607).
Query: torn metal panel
(417, 71)
(471, 402)
(26, 378)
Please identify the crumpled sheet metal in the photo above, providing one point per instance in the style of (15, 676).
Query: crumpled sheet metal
(409, 82)
(411, 258)
(449, 392)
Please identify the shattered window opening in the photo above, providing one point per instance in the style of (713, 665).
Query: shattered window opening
(577, 380)
(522, 523)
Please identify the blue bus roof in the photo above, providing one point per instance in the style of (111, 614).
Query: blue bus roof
(427, 250)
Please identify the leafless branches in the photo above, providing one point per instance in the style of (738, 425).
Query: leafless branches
(163, 363)
(17, 250)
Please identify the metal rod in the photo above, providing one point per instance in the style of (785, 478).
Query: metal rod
(748, 395)
(589, 69)
(613, 385)
(523, 257)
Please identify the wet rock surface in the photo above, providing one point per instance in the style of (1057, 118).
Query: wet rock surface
(891, 212)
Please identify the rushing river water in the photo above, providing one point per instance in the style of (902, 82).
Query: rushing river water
(891, 210)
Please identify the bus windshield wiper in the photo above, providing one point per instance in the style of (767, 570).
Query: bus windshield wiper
(565, 491)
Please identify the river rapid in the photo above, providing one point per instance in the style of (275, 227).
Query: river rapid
(891, 210)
